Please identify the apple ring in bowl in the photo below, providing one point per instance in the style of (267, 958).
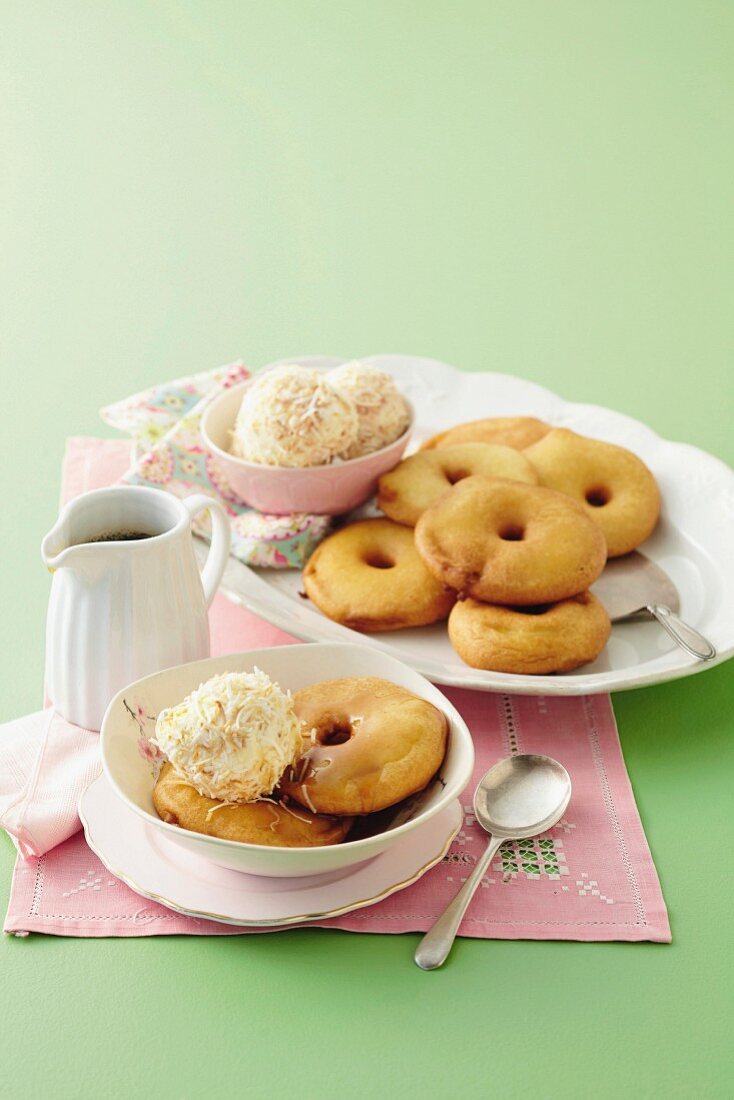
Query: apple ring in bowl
(269, 821)
(368, 744)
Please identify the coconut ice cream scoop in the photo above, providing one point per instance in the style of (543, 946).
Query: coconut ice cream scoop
(382, 411)
(233, 737)
(293, 416)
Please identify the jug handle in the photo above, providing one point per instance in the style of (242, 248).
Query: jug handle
(216, 561)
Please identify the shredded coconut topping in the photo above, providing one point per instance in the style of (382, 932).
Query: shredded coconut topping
(233, 737)
(307, 799)
(382, 412)
(292, 416)
(288, 810)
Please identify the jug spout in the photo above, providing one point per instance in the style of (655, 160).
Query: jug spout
(86, 561)
(70, 543)
(55, 548)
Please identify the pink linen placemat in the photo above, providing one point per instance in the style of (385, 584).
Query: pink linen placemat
(590, 878)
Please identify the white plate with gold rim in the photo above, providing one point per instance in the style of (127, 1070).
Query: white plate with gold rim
(161, 871)
(693, 543)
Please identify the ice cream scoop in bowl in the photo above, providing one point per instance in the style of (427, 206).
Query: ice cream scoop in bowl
(326, 487)
(129, 727)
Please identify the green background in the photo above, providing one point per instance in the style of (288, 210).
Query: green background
(537, 188)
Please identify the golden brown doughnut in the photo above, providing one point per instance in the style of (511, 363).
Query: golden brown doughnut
(405, 492)
(509, 543)
(368, 744)
(613, 485)
(511, 431)
(370, 577)
(534, 640)
(272, 823)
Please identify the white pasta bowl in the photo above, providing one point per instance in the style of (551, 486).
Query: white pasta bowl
(130, 721)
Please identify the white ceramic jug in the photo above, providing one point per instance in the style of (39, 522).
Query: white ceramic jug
(123, 607)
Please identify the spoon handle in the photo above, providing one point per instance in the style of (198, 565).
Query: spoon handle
(434, 948)
(683, 634)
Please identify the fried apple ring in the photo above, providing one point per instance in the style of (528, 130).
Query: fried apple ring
(267, 821)
(370, 577)
(532, 640)
(368, 744)
(511, 431)
(509, 543)
(405, 492)
(612, 484)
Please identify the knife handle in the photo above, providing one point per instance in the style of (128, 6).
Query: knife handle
(682, 634)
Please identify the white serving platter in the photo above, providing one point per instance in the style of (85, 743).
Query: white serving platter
(693, 543)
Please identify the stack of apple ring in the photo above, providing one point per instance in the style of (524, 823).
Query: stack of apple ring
(502, 525)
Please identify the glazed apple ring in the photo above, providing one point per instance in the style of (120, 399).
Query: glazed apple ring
(370, 577)
(613, 485)
(510, 431)
(509, 543)
(268, 821)
(532, 640)
(368, 744)
(405, 492)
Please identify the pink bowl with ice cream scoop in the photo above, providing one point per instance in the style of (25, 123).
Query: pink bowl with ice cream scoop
(323, 490)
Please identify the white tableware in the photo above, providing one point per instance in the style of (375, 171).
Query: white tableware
(323, 490)
(132, 714)
(130, 604)
(693, 543)
(146, 861)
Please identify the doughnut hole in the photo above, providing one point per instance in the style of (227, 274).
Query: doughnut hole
(336, 731)
(452, 475)
(512, 532)
(598, 496)
(377, 560)
(537, 609)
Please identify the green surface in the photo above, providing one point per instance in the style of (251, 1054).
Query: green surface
(539, 188)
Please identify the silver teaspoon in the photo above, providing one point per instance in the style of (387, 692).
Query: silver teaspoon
(519, 797)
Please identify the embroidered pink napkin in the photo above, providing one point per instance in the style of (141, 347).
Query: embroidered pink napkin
(44, 763)
(590, 878)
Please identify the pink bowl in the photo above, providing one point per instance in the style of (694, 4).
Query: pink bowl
(281, 490)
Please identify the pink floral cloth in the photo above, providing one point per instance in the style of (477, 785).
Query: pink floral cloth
(590, 878)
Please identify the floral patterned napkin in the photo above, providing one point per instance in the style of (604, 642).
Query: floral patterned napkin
(164, 422)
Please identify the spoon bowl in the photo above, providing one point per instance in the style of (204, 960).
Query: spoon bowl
(520, 797)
